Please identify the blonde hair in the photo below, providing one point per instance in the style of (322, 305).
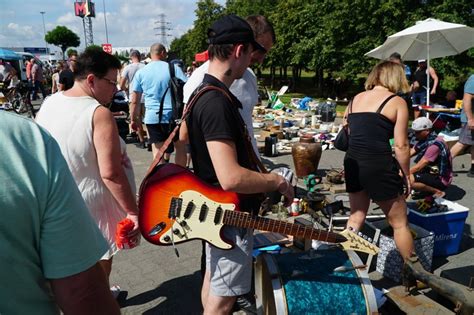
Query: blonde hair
(390, 75)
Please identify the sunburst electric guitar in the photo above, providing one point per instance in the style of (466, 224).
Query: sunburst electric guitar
(176, 206)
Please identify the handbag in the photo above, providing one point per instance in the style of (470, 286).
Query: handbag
(341, 142)
(342, 139)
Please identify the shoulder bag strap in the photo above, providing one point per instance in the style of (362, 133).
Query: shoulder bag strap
(162, 101)
(254, 159)
(186, 112)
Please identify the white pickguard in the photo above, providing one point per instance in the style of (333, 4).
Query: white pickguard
(207, 230)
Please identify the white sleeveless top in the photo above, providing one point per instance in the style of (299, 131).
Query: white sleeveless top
(69, 120)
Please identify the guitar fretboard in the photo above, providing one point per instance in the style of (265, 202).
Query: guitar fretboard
(245, 220)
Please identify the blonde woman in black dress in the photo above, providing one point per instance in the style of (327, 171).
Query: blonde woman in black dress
(371, 172)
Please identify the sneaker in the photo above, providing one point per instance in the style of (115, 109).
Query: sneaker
(115, 291)
(246, 303)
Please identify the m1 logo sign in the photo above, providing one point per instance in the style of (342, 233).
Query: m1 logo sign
(107, 48)
(84, 9)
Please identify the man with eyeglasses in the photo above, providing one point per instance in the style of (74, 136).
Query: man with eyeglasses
(66, 76)
(88, 138)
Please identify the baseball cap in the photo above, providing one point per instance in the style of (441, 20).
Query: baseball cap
(231, 29)
(421, 60)
(421, 123)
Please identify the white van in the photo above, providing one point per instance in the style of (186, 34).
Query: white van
(20, 65)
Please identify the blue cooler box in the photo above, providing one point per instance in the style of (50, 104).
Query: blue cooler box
(447, 226)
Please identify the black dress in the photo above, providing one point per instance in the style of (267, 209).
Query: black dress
(369, 164)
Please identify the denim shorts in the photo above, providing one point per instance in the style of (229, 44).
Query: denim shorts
(419, 98)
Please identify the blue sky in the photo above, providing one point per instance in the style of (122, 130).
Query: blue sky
(129, 22)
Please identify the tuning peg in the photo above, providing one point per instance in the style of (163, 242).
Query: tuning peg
(369, 239)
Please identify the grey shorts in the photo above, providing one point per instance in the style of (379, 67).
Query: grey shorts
(231, 270)
(467, 135)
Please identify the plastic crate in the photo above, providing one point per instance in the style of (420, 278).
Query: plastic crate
(447, 226)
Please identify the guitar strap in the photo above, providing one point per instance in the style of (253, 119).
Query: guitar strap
(203, 88)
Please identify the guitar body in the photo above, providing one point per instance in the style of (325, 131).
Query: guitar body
(171, 180)
(176, 206)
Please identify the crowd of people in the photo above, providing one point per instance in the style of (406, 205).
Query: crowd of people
(72, 181)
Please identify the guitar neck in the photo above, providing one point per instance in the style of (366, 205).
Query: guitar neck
(244, 220)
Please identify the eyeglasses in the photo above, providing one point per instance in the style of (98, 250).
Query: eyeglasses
(114, 83)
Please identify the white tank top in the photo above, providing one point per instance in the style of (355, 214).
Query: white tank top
(69, 120)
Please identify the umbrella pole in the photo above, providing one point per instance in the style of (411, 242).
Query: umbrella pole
(428, 72)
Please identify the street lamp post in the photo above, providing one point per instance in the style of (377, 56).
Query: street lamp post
(105, 21)
(44, 31)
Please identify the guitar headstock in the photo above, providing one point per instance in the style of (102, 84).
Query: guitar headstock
(356, 243)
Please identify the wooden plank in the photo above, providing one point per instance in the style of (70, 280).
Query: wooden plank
(415, 304)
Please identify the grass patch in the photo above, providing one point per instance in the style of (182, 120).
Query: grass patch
(286, 99)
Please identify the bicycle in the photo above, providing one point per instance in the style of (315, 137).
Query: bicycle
(18, 99)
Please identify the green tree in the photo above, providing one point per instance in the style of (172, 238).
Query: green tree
(180, 46)
(244, 8)
(195, 40)
(62, 37)
(207, 12)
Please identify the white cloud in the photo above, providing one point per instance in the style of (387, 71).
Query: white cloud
(129, 22)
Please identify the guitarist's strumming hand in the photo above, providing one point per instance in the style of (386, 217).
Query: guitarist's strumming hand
(287, 190)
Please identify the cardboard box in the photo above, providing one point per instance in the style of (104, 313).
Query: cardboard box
(446, 226)
(389, 261)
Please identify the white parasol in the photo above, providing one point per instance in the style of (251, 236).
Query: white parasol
(427, 39)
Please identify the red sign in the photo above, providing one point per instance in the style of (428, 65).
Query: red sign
(84, 9)
(107, 48)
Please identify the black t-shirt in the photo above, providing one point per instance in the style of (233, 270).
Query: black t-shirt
(66, 77)
(215, 117)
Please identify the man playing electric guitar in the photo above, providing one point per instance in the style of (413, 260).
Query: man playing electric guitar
(222, 155)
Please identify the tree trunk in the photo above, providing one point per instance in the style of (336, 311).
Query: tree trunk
(272, 76)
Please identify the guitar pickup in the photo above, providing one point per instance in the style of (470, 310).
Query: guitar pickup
(203, 212)
(175, 207)
(189, 210)
(157, 229)
(218, 215)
